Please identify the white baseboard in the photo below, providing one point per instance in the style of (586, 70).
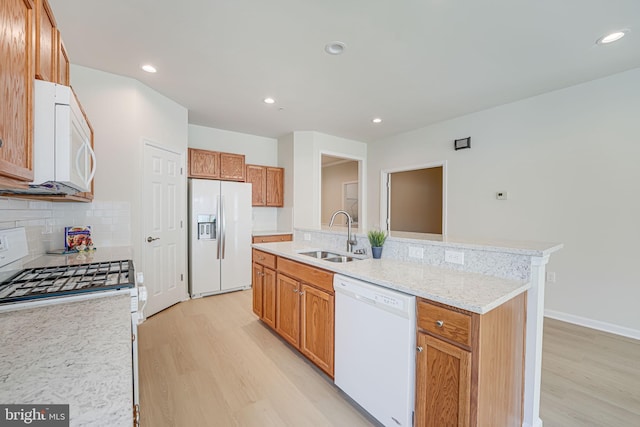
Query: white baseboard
(593, 324)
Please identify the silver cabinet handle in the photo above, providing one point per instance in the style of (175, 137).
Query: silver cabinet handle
(439, 323)
(151, 239)
(419, 349)
(302, 293)
(295, 291)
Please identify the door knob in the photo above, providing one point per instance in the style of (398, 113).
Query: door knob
(151, 239)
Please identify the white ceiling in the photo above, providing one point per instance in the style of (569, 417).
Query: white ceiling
(411, 62)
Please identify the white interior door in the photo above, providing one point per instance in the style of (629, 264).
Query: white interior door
(164, 238)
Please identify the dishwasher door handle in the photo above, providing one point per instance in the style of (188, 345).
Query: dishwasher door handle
(365, 299)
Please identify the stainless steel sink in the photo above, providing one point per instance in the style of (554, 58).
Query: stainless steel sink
(320, 254)
(329, 256)
(341, 258)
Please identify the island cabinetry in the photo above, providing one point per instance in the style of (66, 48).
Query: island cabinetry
(16, 82)
(273, 238)
(267, 185)
(215, 165)
(264, 287)
(469, 367)
(304, 308)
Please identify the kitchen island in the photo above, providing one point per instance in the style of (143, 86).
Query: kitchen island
(76, 353)
(494, 274)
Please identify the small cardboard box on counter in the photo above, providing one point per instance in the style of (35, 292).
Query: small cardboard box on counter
(77, 238)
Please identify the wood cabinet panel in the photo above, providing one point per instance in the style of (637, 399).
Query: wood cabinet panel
(445, 322)
(63, 63)
(232, 167)
(257, 176)
(288, 308)
(275, 187)
(46, 42)
(258, 289)
(267, 185)
(269, 297)
(273, 238)
(317, 327)
(264, 258)
(477, 384)
(16, 85)
(443, 396)
(204, 164)
(320, 278)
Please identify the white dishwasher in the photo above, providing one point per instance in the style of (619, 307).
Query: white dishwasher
(375, 349)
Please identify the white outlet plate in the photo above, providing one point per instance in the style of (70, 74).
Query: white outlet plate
(415, 252)
(551, 277)
(502, 195)
(454, 257)
(307, 236)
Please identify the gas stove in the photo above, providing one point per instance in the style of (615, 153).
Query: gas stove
(62, 281)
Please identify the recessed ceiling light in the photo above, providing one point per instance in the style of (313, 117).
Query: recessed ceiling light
(149, 68)
(612, 37)
(377, 120)
(269, 101)
(334, 48)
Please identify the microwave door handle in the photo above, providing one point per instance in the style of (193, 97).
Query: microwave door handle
(93, 164)
(78, 156)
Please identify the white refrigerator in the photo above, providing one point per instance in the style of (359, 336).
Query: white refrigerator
(219, 236)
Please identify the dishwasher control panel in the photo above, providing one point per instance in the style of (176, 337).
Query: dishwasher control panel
(389, 301)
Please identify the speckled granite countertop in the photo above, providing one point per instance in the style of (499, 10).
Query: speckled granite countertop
(76, 353)
(474, 292)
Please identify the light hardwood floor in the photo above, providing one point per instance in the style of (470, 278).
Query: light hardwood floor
(210, 362)
(589, 378)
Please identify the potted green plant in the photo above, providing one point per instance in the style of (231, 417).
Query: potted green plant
(376, 239)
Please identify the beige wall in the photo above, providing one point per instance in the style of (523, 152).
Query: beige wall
(416, 201)
(569, 162)
(333, 178)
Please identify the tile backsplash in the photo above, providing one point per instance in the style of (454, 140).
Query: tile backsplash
(44, 222)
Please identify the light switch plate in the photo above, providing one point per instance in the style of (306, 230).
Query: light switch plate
(307, 236)
(454, 257)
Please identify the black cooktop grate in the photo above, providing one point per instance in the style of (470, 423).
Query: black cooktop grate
(48, 282)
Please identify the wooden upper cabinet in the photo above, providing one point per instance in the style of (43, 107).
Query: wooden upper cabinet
(63, 63)
(257, 176)
(215, 165)
(267, 185)
(232, 167)
(275, 187)
(204, 164)
(16, 87)
(46, 43)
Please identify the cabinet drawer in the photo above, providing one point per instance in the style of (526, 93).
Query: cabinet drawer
(444, 322)
(273, 238)
(264, 258)
(314, 276)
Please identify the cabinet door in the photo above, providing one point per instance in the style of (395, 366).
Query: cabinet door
(269, 297)
(204, 164)
(257, 282)
(257, 176)
(63, 63)
(317, 327)
(288, 309)
(275, 187)
(16, 81)
(46, 42)
(443, 384)
(232, 167)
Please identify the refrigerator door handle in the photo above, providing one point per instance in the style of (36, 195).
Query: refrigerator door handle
(223, 234)
(218, 228)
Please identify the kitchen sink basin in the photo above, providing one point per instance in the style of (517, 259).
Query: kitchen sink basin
(329, 256)
(341, 258)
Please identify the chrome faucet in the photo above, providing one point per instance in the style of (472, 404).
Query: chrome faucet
(350, 241)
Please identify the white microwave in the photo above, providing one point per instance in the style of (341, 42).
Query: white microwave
(63, 159)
